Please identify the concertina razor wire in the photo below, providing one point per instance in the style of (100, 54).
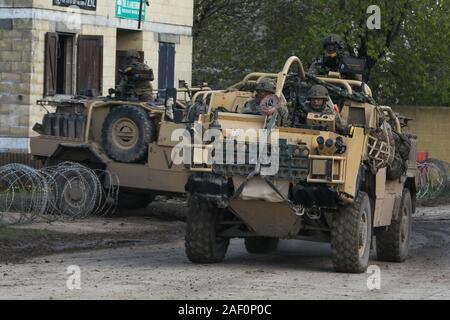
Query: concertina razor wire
(70, 191)
(65, 191)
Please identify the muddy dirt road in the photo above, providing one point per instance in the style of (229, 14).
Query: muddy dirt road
(150, 264)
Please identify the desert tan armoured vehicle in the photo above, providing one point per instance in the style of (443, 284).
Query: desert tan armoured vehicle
(130, 139)
(343, 186)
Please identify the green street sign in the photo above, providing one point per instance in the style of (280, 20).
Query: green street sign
(129, 9)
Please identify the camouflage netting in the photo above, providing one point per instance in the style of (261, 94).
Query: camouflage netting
(399, 165)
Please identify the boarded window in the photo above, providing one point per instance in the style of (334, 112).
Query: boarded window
(90, 65)
(166, 67)
(51, 49)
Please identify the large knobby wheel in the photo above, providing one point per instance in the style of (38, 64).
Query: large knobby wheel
(393, 242)
(203, 224)
(126, 133)
(261, 245)
(351, 235)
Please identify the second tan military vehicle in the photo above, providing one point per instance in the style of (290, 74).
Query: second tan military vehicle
(130, 139)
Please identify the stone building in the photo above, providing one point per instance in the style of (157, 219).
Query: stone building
(56, 48)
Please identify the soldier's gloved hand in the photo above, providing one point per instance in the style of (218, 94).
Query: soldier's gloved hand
(348, 131)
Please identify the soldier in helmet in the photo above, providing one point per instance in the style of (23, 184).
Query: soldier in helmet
(319, 101)
(331, 58)
(136, 78)
(265, 88)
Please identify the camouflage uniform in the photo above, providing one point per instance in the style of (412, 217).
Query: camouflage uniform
(320, 92)
(254, 106)
(321, 68)
(323, 65)
(136, 79)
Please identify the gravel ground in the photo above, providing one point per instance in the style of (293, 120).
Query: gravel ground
(142, 257)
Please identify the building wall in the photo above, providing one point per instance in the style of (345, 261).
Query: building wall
(432, 127)
(172, 12)
(38, 31)
(22, 51)
(183, 61)
(16, 73)
(179, 12)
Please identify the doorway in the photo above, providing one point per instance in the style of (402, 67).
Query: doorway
(127, 40)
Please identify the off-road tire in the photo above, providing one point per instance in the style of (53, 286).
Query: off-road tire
(350, 244)
(261, 245)
(201, 242)
(393, 242)
(126, 133)
(134, 201)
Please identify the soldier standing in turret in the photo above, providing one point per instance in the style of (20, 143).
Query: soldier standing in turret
(136, 78)
(333, 58)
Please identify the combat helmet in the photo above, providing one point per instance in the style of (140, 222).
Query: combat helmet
(318, 91)
(332, 40)
(267, 84)
(132, 55)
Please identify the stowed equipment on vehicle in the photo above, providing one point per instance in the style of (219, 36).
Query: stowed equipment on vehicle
(335, 183)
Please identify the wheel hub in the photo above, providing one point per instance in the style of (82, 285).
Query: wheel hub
(125, 133)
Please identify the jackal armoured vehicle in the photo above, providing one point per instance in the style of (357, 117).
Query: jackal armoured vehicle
(130, 139)
(345, 186)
